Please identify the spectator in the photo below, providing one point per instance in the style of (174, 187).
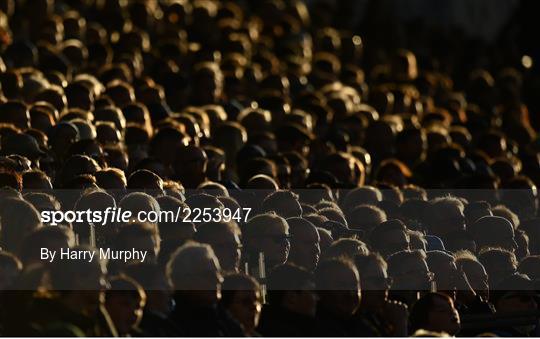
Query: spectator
(305, 249)
(435, 312)
(388, 317)
(10, 268)
(493, 231)
(515, 294)
(292, 303)
(475, 272)
(125, 301)
(224, 238)
(343, 146)
(267, 234)
(411, 275)
(241, 296)
(499, 263)
(196, 278)
(338, 287)
(158, 293)
(446, 216)
(390, 237)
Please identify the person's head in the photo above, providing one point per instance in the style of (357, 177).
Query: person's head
(111, 179)
(125, 301)
(411, 145)
(374, 280)
(417, 240)
(195, 275)
(292, 288)
(326, 239)
(10, 178)
(224, 237)
(409, 271)
(77, 165)
(334, 215)
(476, 210)
(492, 231)
(16, 113)
(137, 202)
(241, 296)
(446, 272)
(146, 181)
(152, 278)
(393, 172)
(445, 215)
(515, 294)
(390, 237)
(52, 238)
(520, 195)
(43, 201)
(346, 168)
(214, 188)
(268, 233)
(346, 248)
(522, 241)
(18, 218)
(262, 182)
(207, 83)
(499, 263)
(166, 139)
(365, 217)
(140, 236)
(474, 270)
(37, 180)
(79, 283)
(368, 195)
(530, 266)
(190, 165)
(305, 250)
(170, 231)
(61, 136)
(284, 203)
(505, 212)
(338, 286)
(435, 312)
(10, 268)
(203, 200)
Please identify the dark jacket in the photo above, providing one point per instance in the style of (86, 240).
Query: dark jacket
(204, 322)
(332, 326)
(279, 322)
(157, 325)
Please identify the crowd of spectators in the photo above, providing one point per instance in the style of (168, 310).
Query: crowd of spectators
(390, 171)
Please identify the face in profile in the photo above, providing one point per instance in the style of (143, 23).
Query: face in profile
(305, 249)
(341, 296)
(443, 316)
(204, 284)
(246, 308)
(275, 243)
(126, 310)
(226, 246)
